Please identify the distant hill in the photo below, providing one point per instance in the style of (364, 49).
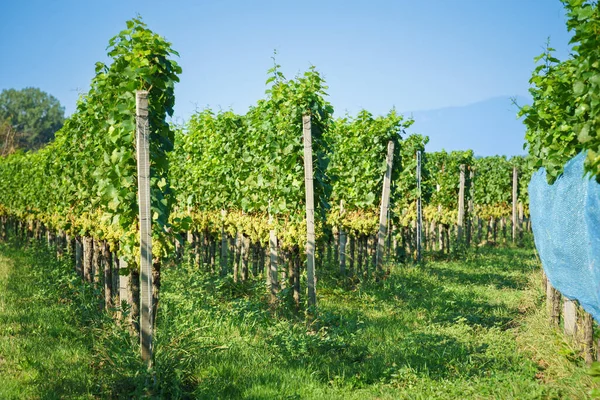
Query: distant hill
(489, 127)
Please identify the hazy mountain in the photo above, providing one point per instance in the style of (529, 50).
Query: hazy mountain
(489, 127)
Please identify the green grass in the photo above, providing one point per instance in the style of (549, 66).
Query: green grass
(53, 337)
(449, 329)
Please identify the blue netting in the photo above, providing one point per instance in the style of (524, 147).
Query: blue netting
(565, 219)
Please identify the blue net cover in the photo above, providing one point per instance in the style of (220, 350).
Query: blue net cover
(565, 218)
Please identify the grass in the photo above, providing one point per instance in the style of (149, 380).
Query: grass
(474, 328)
(53, 337)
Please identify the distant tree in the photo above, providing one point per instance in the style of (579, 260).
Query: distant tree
(8, 139)
(33, 115)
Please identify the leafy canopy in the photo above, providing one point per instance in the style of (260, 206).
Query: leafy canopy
(33, 114)
(564, 118)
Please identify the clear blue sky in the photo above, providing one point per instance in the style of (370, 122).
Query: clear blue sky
(414, 55)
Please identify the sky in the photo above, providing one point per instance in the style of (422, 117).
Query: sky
(414, 55)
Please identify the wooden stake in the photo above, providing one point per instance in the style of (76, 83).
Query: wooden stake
(470, 209)
(588, 338)
(553, 304)
(97, 263)
(385, 204)
(419, 209)
(237, 258)
(461, 203)
(295, 259)
(245, 257)
(310, 212)
(272, 274)
(107, 269)
(343, 240)
(145, 218)
(115, 280)
(224, 245)
(124, 284)
(79, 256)
(514, 203)
(570, 317)
(521, 217)
(88, 254)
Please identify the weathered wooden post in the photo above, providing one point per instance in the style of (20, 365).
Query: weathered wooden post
(385, 204)
(272, 278)
(461, 204)
(310, 211)
(570, 317)
(88, 254)
(123, 284)
(515, 200)
(245, 257)
(588, 338)
(419, 208)
(108, 279)
(97, 263)
(343, 241)
(145, 217)
(553, 304)
(521, 219)
(223, 258)
(471, 208)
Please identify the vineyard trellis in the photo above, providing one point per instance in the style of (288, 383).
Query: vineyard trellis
(81, 189)
(234, 190)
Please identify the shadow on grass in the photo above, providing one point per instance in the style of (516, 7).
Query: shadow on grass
(481, 278)
(439, 302)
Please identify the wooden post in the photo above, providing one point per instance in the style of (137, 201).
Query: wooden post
(123, 281)
(272, 278)
(224, 246)
(115, 280)
(373, 252)
(359, 256)
(97, 263)
(343, 241)
(107, 264)
(514, 203)
(419, 208)
(336, 247)
(521, 218)
(133, 300)
(385, 204)
(261, 260)
(294, 257)
(145, 218)
(441, 237)
(470, 209)
(570, 317)
(245, 257)
(553, 304)
(310, 211)
(88, 254)
(433, 229)
(588, 338)
(461, 204)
